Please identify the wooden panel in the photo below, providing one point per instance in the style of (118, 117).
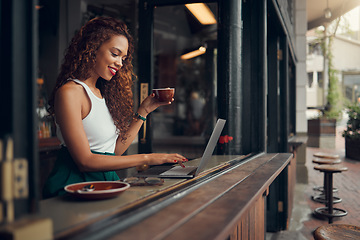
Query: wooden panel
(234, 234)
(321, 127)
(260, 218)
(291, 187)
(244, 229)
(252, 223)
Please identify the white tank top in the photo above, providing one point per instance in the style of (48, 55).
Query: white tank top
(98, 124)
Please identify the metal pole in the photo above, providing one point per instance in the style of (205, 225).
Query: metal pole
(229, 73)
(326, 67)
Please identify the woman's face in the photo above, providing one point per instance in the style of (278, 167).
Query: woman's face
(110, 57)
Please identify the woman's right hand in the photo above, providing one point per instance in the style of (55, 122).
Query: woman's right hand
(150, 103)
(161, 158)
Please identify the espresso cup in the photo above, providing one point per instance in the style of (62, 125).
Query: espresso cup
(164, 94)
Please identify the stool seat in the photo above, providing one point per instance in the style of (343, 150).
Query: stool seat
(329, 211)
(326, 155)
(337, 232)
(319, 188)
(326, 161)
(331, 168)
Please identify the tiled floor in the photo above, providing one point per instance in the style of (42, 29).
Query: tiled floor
(303, 222)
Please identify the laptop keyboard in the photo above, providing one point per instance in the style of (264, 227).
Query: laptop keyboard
(178, 171)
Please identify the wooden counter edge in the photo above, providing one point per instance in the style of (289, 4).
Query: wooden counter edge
(209, 226)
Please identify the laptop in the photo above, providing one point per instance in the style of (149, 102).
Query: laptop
(176, 171)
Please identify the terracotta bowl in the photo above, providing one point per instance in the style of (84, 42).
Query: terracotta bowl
(102, 189)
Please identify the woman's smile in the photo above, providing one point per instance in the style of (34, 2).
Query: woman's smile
(113, 70)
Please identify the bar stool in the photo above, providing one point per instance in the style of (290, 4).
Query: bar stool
(326, 155)
(326, 158)
(326, 161)
(321, 198)
(329, 211)
(337, 232)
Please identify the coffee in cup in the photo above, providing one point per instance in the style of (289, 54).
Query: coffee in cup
(164, 94)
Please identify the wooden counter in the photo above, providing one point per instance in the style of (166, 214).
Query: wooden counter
(226, 201)
(48, 150)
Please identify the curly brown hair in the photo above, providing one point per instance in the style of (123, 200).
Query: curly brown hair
(80, 56)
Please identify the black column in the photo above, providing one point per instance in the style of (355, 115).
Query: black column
(18, 89)
(284, 95)
(146, 64)
(229, 74)
(242, 74)
(254, 66)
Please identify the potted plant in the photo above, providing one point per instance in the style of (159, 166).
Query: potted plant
(352, 132)
(322, 130)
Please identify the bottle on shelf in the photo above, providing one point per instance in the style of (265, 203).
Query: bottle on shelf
(45, 121)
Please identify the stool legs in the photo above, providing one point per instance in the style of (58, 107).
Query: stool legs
(329, 195)
(329, 211)
(322, 198)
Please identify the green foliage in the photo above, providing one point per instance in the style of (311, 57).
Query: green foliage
(335, 100)
(353, 124)
(334, 96)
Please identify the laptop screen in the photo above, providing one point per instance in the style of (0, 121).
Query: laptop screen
(211, 145)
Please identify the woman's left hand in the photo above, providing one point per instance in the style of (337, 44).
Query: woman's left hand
(150, 104)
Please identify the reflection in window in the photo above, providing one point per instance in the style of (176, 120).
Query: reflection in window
(310, 79)
(351, 85)
(187, 122)
(320, 77)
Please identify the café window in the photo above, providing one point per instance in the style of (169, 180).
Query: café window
(320, 76)
(351, 86)
(185, 125)
(185, 57)
(310, 79)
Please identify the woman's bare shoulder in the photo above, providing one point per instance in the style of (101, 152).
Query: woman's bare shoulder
(70, 89)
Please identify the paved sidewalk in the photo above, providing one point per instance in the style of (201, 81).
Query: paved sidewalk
(303, 222)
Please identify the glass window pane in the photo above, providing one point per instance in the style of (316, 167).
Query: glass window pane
(185, 125)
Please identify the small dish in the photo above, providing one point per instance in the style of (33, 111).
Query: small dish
(101, 189)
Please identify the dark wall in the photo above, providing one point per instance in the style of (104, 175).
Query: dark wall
(49, 42)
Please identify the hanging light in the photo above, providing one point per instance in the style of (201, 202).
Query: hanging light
(327, 11)
(202, 13)
(201, 50)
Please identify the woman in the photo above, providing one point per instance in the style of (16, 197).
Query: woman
(92, 104)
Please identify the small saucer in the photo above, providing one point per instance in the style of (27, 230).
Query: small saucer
(102, 189)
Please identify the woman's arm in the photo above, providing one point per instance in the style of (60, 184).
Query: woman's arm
(70, 102)
(147, 106)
